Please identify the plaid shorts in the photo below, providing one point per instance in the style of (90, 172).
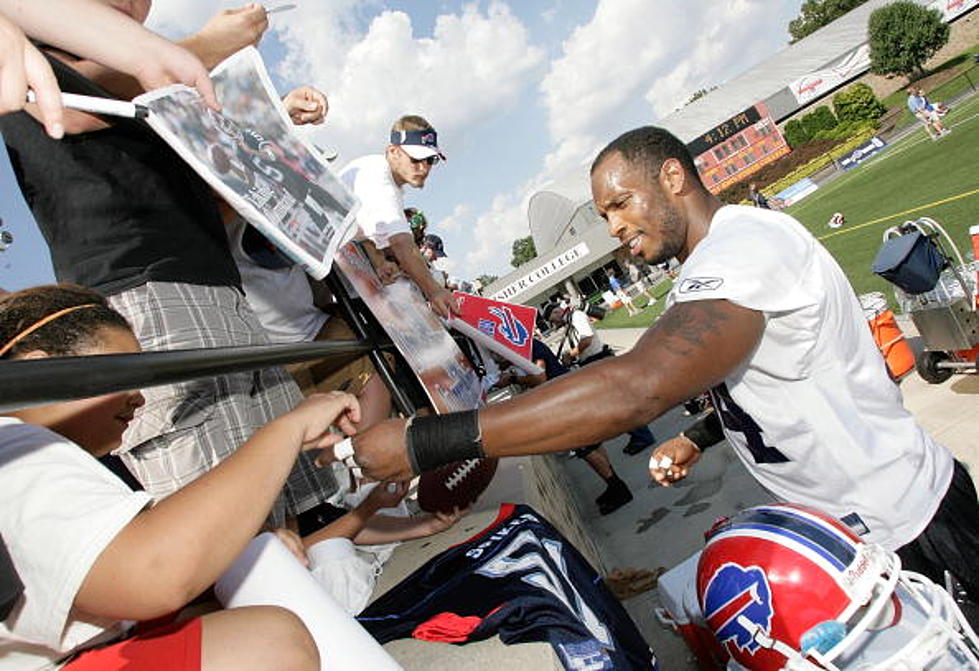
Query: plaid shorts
(185, 429)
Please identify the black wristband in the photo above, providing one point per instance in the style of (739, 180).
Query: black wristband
(706, 432)
(442, 439)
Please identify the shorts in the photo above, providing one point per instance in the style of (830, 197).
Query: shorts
(186, 429)
(172, 647)
(322, 376)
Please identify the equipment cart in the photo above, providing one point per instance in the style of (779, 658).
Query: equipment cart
(937, 289)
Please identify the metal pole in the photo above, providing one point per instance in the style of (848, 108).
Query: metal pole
(28, 382)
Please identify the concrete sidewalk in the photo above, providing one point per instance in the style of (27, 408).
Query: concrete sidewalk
(662, 527)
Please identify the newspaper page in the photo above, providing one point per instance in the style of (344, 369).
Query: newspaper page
(250, 154)
(441, 367)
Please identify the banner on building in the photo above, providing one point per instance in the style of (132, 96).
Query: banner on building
(250, 155)
(504, 328)
(817, 84)
(542, 272)
(952, 9)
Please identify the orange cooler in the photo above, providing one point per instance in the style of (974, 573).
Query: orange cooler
(887, 334)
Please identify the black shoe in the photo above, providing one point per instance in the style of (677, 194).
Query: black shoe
(616, 496)
(612, 485)
(635, 446)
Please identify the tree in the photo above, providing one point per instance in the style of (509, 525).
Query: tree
(817, 13)
(486, 280)
(904, 35)
(523, 251)
(857, 103)
(819, 119)
(795, 133)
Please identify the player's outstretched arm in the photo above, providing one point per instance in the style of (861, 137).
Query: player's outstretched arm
(692, 347)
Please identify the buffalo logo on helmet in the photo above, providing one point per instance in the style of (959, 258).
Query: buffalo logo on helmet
(735, 592)
(428, 139)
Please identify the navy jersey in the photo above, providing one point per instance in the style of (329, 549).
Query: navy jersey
(521, 579)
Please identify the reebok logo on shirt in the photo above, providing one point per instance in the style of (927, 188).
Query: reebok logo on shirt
(694, 284)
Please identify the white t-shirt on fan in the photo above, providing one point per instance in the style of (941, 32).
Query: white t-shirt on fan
(281, 298)
(812, 413)
(59, 509)
(381, 212)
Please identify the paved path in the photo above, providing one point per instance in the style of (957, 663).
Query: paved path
(661, 527)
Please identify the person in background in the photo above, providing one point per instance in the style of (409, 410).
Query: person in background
(377, 180)
(757, 198)
(587, 348)
(616, 493)
(621, 293)
(418, 224)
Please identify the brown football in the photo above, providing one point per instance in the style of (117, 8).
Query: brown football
(455, 485)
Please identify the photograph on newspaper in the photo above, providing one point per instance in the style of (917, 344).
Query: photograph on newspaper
(253, 157)
(441, 367)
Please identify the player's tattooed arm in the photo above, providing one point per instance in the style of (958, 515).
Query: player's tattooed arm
(691, 348)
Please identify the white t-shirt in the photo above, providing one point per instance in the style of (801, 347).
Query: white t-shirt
(812, 413)
(382, 210)
(281, 298)
(59, 509)
(582, 326)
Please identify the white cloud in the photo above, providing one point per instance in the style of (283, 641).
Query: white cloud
(630, 51)
(455, 221)
(474, 66)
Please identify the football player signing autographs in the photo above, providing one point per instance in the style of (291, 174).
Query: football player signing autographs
(762, 317)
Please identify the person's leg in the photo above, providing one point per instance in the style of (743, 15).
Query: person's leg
(616, 492)
(256, 637)
(599, 462)
(640, 438)
(951, 542)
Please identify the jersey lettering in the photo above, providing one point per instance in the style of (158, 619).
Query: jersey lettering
(735, 419)
(540, 573)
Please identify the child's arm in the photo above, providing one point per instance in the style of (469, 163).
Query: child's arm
(171, 552)
(389, 529)
(384, 495)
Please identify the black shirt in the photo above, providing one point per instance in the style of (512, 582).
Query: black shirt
(117, 207)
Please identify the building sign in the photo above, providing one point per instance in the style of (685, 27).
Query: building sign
(817, 84)
(724, 131)
(542, 273)
(951, 9)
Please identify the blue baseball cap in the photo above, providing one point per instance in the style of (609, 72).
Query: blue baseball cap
(418, 144)
(434, 243)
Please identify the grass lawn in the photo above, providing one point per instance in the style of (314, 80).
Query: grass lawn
(914, 173)
(620, 319)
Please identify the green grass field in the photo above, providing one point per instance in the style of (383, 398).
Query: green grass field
(912, 178)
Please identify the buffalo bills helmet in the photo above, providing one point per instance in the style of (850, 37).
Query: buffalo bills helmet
(788, 588)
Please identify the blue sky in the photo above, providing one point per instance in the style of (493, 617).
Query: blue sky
(523, 94)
